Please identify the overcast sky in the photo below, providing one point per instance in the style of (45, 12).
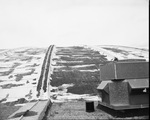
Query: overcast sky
(74, 22)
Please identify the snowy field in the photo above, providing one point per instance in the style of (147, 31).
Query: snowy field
(19, 72)
(121, 52)
(20, 69)
(61, 93)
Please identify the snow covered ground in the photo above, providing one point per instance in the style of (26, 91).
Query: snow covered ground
(20, 69)
(19, 72)
(60, 93)
(121, 52)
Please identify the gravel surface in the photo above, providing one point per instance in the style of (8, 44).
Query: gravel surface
(6, 110)
(75, 110)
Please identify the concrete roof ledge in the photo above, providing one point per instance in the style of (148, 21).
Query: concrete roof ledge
(34, 111)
